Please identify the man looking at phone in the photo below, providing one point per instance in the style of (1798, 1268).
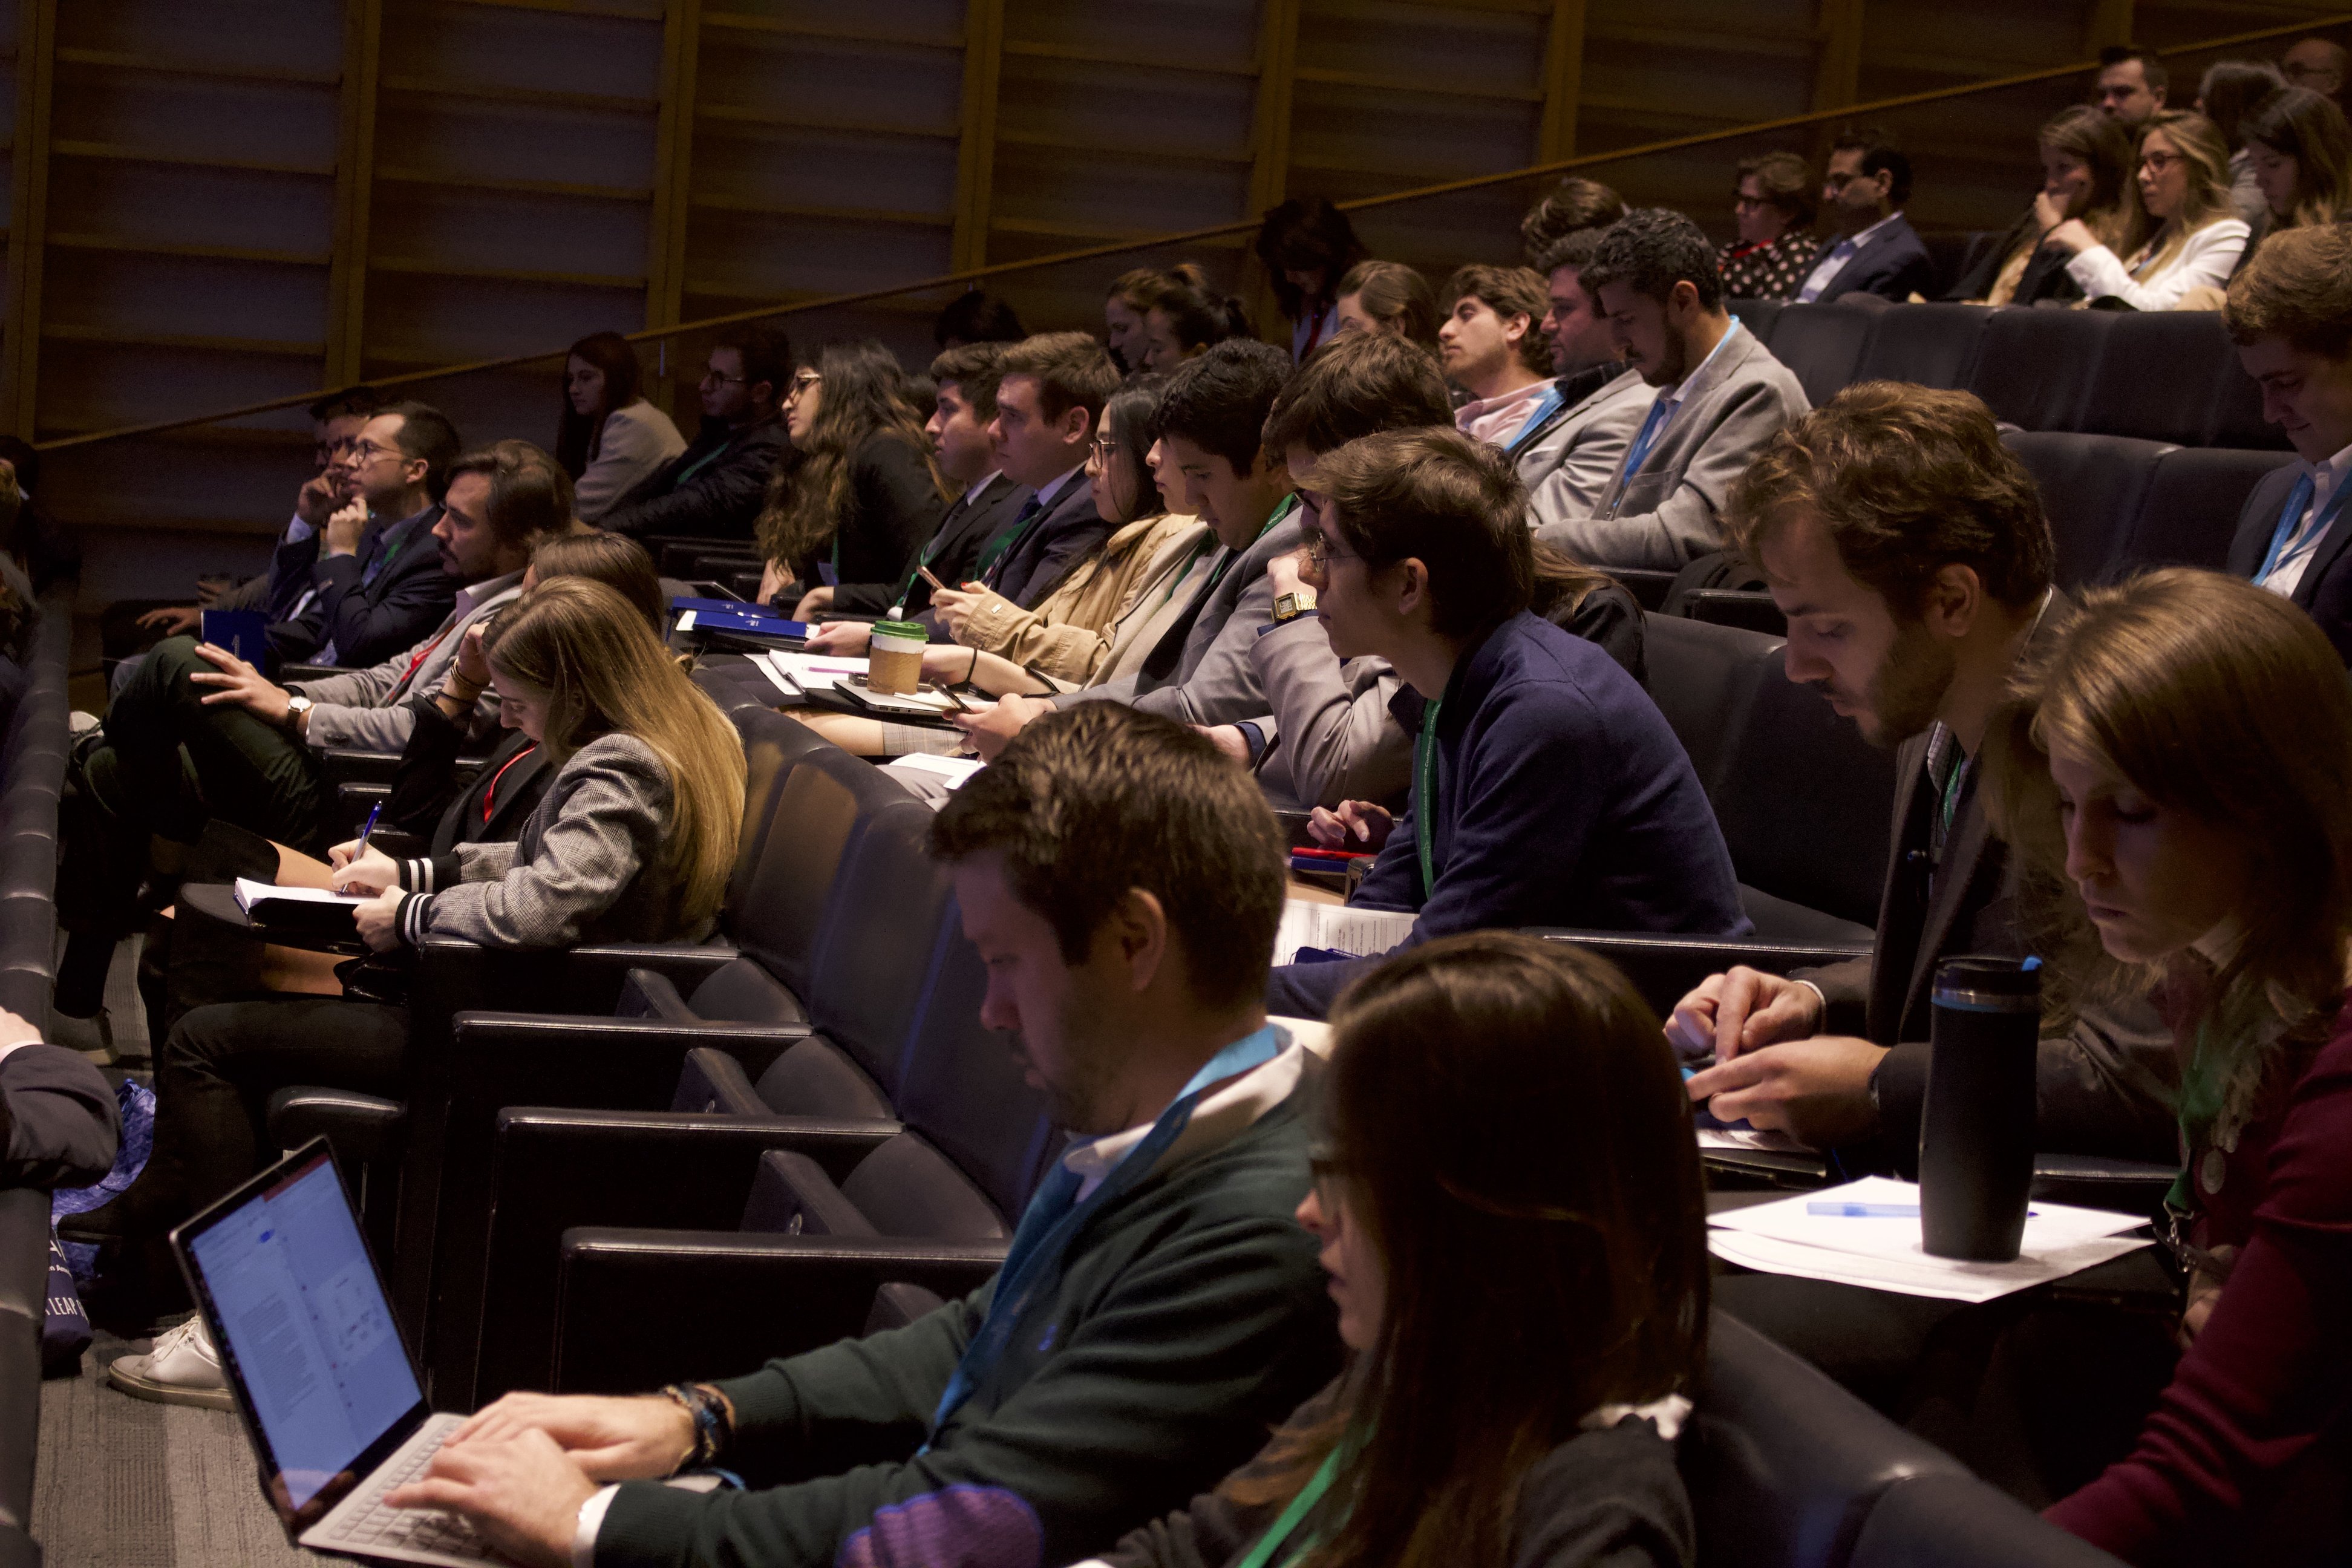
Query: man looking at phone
(1907, 547)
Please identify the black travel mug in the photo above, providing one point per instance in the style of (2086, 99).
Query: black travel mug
(1977, 1130)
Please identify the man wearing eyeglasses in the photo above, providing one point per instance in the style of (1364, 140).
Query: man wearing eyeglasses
(1863, 192)
(377, 584)
(714, 489)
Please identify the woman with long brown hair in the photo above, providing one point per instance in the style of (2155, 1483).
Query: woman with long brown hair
(1522, 1284)
(2172, 780)
(860, 497)
(608, 437)
(2301, 153)
(2086, 169)
(1386, 297)
(2193, 237)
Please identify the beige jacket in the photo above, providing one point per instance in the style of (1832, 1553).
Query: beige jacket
(1070, 633)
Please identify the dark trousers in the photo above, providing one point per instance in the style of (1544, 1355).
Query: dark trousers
(215, 1074)
(251, 774)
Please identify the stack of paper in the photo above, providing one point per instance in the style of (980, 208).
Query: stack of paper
(1362, 932)
(797, 674)
(1794, 1236)
(250, 892)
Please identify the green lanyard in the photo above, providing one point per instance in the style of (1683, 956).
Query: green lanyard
(2200, 1107)
(1300, 1506)
(1424, 795)
(1289, 504)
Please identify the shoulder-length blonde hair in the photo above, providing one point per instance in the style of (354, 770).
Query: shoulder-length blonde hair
(2212, 697)
(586, 649)
(2207, 199)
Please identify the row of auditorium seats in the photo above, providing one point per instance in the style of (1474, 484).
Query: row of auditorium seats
(32, 779)
(2158, 376)
(758, 1147)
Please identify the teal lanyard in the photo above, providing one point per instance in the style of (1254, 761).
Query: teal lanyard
(1289, 504)
(1286, 1525)
(1424, 794)
(2200, 1107)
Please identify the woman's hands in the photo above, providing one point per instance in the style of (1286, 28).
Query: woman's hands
(1356, 825)
(955, 605)
(2074, 237)
(378, 921)
(357, 870)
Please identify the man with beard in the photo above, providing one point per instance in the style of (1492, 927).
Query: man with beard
(1908, 549)
(1719, 397)
(1157, 1310)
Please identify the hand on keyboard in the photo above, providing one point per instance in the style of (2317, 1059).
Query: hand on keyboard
(520, 1491)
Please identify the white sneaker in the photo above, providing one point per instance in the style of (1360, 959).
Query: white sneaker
(77, 722)
(181, 1368)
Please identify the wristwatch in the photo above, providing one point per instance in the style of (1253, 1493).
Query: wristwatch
(296, 706)
(1288, 607)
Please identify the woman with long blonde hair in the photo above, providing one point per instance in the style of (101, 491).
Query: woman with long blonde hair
(2172, 779)
(633, 841)
(2194, 237)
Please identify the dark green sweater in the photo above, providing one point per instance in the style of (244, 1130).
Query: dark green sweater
(1190, 1318)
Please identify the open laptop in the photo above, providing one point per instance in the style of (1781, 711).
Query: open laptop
(322, 1380)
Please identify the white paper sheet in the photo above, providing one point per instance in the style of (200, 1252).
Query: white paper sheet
(1885, 1254)
(1363, 932)
(250, 892)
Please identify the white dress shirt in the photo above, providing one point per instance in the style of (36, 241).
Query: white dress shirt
(1834, 258)
(2327, 478)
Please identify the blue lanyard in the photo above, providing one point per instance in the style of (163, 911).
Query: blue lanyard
(1544, 406)
(1661, 410)
(1054, 1218)
(2292, 513)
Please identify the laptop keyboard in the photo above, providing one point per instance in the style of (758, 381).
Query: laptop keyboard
(373, 1523)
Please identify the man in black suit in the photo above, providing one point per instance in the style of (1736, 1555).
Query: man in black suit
(714, 489)
(1909, 608)
(966, 376)
(2290, 313)
(1877, 252)
(59, 1123)
(377, 585)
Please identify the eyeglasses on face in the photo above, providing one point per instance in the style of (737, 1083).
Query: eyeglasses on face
(2157, 163)
(1320, 554)
(802, 381)
(715, 377)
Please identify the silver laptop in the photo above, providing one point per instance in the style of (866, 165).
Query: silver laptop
(321, 1378)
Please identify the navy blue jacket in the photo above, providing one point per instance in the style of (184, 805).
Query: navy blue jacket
(1563, 800)
(366, 622)
(1895, 266)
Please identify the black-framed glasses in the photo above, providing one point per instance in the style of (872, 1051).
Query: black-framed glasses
(718, 378)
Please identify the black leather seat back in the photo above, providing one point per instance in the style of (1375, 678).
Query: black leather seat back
(867, 983)
(791, 1195)
(1703, 679)
(817, 1077)
(772, 746)
(1822, 345)
(960, 1085)
(2235, 418)
(907, 1188)
(2035, 367)
(2159, 376)
(2190, 511)
(743, 992)
(1761, 317)
(1782, 1465)
(712, 1083)
(820, 810)
(2092, 488)
(1959, 1521)
(1927, 346)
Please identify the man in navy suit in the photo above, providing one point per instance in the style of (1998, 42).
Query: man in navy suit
(2290, 313)
(1876, 251)
(378, 584)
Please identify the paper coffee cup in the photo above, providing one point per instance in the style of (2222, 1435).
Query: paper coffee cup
(895, 658)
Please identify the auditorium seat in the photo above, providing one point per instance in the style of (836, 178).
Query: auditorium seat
(2159, 375)
(2092, 487)
(32, 782)
(24, 1297)
(2190, 509)
(1759, 316)
(1823, 344)
(2035, 367)
(1802, 800)
(1784, 1468)
(2235, 418)
(1927, 346)
(1954, 253)
(1939, 1520)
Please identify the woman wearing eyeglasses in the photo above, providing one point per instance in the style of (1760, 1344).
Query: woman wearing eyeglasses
(2193, 237)
(1524, 1313)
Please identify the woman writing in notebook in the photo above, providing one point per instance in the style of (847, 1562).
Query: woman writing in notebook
(634, 841)
(2174, 784)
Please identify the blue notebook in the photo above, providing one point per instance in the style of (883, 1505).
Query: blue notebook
(734, 615)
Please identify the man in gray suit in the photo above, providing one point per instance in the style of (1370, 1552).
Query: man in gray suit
(1211, 427)
(1569, 457)
(255, 744)
(1719, 396)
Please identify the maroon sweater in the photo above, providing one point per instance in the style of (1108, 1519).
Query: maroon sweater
(2272, 1370)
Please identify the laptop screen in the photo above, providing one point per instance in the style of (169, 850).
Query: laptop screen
(308, 1332)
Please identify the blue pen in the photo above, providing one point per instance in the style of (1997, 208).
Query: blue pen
(1876, 1210)
(374, 812)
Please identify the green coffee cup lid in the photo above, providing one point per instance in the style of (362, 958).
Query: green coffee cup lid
(913, 629)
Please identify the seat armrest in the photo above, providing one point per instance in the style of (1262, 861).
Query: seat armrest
(540, 1058)
(290, 673)
(1665, 968)
(684, 965)
(640, 1308)
(350, 767)
(455, 976)
(361, 1128)
(556, 1169)
(1741, 607)
(1648, 587)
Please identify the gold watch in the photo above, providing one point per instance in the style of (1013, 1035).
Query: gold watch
(1289, 607)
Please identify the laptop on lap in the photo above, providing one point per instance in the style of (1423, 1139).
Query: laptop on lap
(321, 1377)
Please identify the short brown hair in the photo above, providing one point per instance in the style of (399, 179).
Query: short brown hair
(1508, 292)
(1786, 182)
(1394, 295)
(1454, 504)
(1907, 480)
(1356, 384)
(530, 495)
(1576, 203)
(1073, 370)
(976, 368)
(2298, 286)
(1091, 803)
